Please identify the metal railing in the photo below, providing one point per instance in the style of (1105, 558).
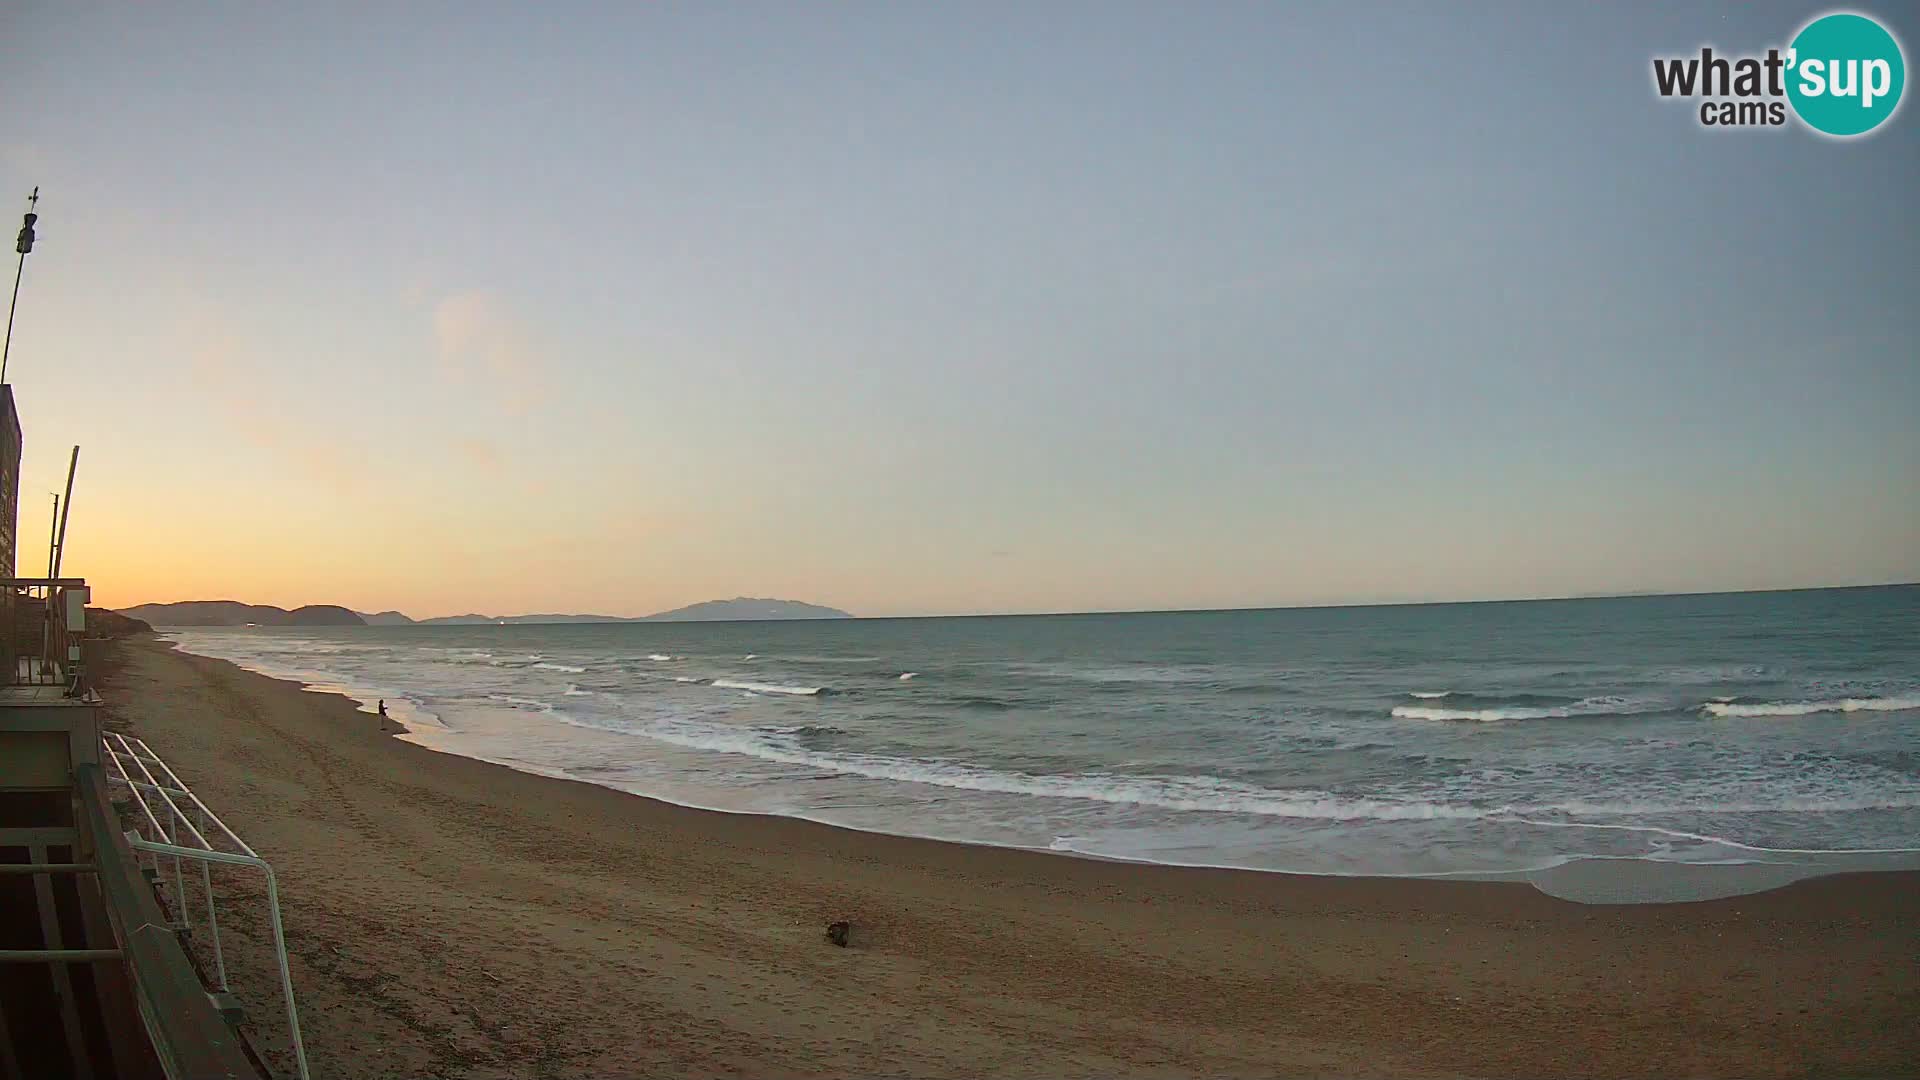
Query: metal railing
(41, 623)
(189, 1038)
(163, 796)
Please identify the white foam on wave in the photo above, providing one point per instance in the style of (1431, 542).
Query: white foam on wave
(1429, 695)
(546, 708)
(569, 668)
(769, 688)
(1198, 793)
(685, 678)
(1594, 706)
(1809, 708)
(661, 657)
(905, 675)
(751, 656)
(464, 656)
(1703, 838)
(1217, 795)
(574, 691)
(1826, 802)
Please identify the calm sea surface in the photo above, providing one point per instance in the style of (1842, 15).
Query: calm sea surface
(1442, 739)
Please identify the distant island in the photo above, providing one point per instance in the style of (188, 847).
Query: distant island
(744, 608)
(234, 613)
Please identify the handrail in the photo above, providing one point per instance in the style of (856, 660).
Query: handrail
(119, 750)
(273, 913)
(181, 784)
(118, 760)
(186, 1033)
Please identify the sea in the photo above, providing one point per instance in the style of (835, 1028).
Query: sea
(1469, 740)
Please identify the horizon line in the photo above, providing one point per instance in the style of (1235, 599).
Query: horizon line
(1099, 611)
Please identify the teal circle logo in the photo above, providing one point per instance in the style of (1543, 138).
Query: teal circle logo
(1845, 74)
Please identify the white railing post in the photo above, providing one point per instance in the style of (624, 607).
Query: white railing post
(179, 878)
(286, 974)
(213, 927)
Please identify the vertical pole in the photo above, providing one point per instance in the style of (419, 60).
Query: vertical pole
(179, 879)
(8, 349)
(23, 245)
(213, 925)
(46, 614)
(61, 546)
(213, 919)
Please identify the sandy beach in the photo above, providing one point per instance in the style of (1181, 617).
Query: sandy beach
(454, 918)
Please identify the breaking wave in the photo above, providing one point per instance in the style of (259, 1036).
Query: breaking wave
(1215, 794)
(1198, 793)
(1809, 708)
(1594, 706)
(560, 667)
(770, 688)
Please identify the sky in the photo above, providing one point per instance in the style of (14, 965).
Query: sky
(948, 308)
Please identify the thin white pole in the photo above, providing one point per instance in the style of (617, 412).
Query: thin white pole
(213, 924)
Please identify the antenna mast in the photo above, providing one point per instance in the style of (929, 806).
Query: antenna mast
(53, 532)
(22, 244)
(60, 549)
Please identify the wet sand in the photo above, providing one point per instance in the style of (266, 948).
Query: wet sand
(454, 918)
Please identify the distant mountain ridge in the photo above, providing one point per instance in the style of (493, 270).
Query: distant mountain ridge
(476, 619)
(740, 608)
(747, 607)
(234, 613)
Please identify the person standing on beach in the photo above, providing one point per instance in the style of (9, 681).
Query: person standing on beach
(383, 715)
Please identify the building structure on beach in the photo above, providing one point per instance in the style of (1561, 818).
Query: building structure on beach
(106, 970)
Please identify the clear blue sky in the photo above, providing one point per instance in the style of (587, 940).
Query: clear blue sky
(970, 307)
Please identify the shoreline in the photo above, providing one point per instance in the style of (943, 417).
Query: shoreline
(455, 917)
(1592, 879)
